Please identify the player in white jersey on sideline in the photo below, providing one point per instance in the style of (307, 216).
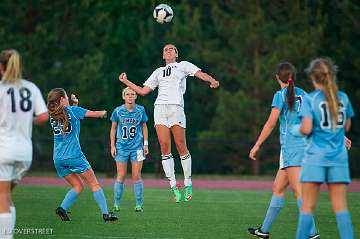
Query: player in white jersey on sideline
(21, 106)
(169, 116)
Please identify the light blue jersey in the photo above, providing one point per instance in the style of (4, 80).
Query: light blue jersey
(288, 117)
(67, 144)
(129, 135)
(292, 147)
(326, 146)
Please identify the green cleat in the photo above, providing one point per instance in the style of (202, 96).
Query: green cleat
(116, 208)
(188, 193)
(139, 208)
(177, 194)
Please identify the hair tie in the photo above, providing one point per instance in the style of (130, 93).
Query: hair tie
(290, 81)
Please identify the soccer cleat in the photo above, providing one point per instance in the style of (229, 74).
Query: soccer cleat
(257, 232)
(139, 208)
(188, 193)
(177, 194)
(110, 217)
(316, 236)
(116, 208)
(62, 214)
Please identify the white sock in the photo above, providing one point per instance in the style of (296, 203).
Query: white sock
(186, 166)
(13, 216)
(5, 226)
(168, 166)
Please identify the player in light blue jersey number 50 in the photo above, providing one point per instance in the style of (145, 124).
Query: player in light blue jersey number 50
(70, 162)
(286, 106)
(326, 115)
(129, 140)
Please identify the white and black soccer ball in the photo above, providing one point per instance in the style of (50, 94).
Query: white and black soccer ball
(163, 13)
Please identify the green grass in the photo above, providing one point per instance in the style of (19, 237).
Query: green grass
(211, 214)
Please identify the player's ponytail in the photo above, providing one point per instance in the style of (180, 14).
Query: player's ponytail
(287, 74)
(323, 72)
(56, 110)
(10, 59)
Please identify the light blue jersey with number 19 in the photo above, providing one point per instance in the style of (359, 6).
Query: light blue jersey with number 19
(129, 134)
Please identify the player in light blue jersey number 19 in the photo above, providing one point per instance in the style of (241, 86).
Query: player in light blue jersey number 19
(326, 115)
(70, 162)
(286, 106)
(129, 141)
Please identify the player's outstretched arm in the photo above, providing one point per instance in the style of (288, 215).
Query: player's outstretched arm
(40, 119)
(208, 78)
(96, 114)
(266, 131)
(139, 90)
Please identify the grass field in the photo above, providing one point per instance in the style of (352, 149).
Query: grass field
(211, 214)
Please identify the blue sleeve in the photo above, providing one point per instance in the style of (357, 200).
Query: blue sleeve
(349, 109)
(114, 116)
(78, 111)
(306, 110)
(144, 117)
(277, 102)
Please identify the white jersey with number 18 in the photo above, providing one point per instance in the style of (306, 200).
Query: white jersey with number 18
(19, 103)
(171, 80)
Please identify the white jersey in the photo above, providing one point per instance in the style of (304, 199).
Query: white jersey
(171, 80)
(19, 103)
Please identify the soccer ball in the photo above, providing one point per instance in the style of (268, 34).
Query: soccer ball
(163, 13)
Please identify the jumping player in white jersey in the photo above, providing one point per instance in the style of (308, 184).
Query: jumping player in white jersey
(169, 113)
(286, 106)
(21, 106)
(326, 116)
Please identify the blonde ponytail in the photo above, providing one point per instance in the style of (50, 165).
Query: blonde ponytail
(13, 67)
(330, 91)
(323, 72)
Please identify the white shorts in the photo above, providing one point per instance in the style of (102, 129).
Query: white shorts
(169, 115)
(13, 171)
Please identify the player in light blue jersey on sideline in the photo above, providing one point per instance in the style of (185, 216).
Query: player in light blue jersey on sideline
(286, 106)
(70, 162)
(326, 115)
(129, 140)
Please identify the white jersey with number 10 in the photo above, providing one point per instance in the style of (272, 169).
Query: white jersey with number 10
(171, 80)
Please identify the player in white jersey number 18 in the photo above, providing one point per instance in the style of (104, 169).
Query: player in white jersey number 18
(169, 117)
(21, 106)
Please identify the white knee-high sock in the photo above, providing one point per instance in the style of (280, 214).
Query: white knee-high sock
(186, 166)
(5, 226)
(168, 166)
(13, 216)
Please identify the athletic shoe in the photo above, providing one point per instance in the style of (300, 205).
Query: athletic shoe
(139, 208)
(188, 193)
(109, 217)
(177, 194)
(316, 236)
(116, 208)
(257, 232)
(62, 214)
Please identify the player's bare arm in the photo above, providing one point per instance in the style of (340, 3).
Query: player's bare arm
(40, 119)
(139, 90)
(206, 77)
(113, 139)
(266, 131)
(96, 114)
(146, 142)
